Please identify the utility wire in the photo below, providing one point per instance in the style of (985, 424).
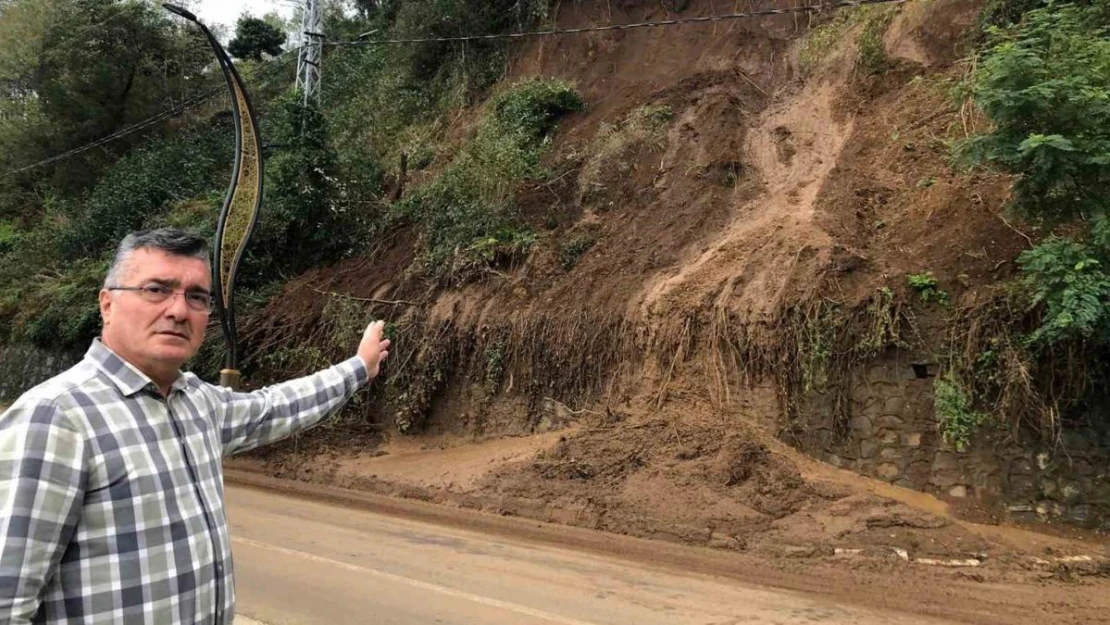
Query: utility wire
(174, 111)
(363, 39)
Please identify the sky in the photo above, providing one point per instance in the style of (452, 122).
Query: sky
(227, 12)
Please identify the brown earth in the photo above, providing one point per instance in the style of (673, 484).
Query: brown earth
(892, 586)
(623, 409)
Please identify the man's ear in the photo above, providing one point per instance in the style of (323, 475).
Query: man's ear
(105, 306)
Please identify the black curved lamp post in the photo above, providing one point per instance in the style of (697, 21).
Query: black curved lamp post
(241, 203)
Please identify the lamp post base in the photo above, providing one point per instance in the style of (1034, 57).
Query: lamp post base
(230, 378)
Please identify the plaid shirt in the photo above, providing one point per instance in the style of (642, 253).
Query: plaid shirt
(111, 496)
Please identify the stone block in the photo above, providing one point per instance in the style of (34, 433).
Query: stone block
(891, 421)
(1079, 513)
(913, 439)
(907, 373)
(883, 389)
(894, 405)
(861, 426)
(1071, 491)
(1044, 459)
(835, 460)
(946, 460)
(861, 394)
(888, 471)
(880, 373)
(919, 470)
(888, 437)
(1048, 488)
(1021, 466)
(959, 491)
(823, 439)
(1082, 468)
(890, 453)
(947, 479)
(1047, 508)
(849, 450)
(867, 448)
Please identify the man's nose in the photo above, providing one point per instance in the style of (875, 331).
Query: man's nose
(177, 309)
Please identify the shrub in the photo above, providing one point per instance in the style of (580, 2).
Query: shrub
(574, 249)
(954, 413)
(822, 40)
(1043, 84)
(925, 285)
(467, 213)
(1070, 281)
(144, 184)
(304, 221)
(644, 129)
(58, 310)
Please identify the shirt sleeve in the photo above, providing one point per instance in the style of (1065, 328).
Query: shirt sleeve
(275, 412)
(42, 486)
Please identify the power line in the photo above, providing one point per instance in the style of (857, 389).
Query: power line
(150, 121)
(363, 41)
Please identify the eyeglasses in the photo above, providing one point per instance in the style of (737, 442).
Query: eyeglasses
(157, 293)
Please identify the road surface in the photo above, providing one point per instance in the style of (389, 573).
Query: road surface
(305, 563)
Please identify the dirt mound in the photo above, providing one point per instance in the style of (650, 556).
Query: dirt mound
(697, 477)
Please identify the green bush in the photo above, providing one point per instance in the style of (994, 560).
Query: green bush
(826, 38)
(925, 285)
(304, 221)
(574, 249)
(872, 57)
(1070, 281)
(467, 213)
(954, 413)
(143, 184)
(57, 310)
(9, 237)
(449, 18)
(1043, 83)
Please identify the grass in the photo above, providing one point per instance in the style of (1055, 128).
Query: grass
(573, 250)
(467, 213)
(820, 43)
(642, 130)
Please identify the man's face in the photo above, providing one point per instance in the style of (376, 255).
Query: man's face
(156, 337)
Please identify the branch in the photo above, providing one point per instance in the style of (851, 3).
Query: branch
(397, 302)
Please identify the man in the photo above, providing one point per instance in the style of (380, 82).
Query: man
(111, 483)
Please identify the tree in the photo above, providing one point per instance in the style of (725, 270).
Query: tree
(1043, 82)
(73, 71)
(253, 36)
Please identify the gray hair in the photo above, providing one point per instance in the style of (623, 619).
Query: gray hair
(173, 241)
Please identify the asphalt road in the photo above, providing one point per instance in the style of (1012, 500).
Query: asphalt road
(305, 563)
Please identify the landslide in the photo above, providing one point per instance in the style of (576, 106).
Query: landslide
(636, 372)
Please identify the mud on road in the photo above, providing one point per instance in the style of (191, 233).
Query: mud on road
(1009, 593)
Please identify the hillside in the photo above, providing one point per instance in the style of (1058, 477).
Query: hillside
(721, 284)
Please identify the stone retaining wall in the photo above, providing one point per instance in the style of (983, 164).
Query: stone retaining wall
(892, 435)
(24, 366)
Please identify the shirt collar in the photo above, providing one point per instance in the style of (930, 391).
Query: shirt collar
(127, 378)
